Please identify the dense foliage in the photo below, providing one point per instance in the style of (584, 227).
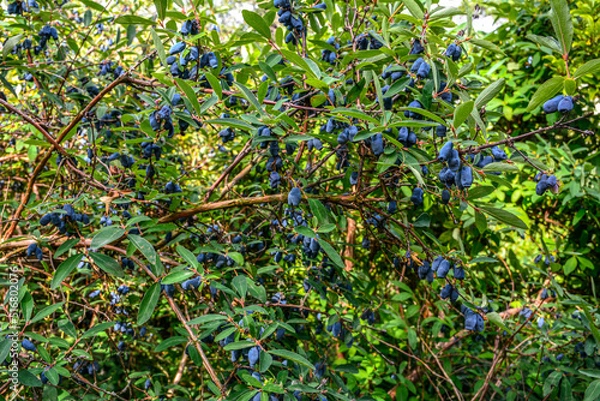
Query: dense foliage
(337, 200)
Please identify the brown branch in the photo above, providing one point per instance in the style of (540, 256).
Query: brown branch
(557, 125)
(240, 156)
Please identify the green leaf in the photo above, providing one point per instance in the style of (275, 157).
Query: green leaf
(214, 84)
(570, 265)
(231, 122)
(484, 44)
(295, 59)
(480, 192)
(94, 6)
(292, 356)
(593, 391)
(144, 247)
(505, 217)
(240, 283)
(47, 311)
(566, 393)
(414, 8)
(489, 93)
(592, 324)
(28, 379)
(461, 113)
(148, 303)
(133, 20)
(319, 211)
(257, 22)
(264, 362)
(170, 342)
(106, 236)
(354, 113)
(500, 167)
(589, 68)
(551, 382)
(177, 276)
(250, 97)
(158, 45)
(560, 17)
(546, 41)
(333, 255)
(106, 263)
(161, 8)
(207, 319)
(545, 92)
(64, 269)
(190, 95)
(97, 329)
(65, 246)
(445, 12)
(188, 256)
(239, 345)
(10, 44)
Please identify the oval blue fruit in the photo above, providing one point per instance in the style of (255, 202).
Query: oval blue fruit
(294, 196)
(552, 105)
(177, 48)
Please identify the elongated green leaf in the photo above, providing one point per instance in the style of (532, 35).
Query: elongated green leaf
(592, 393)
(545, 92)
(250, 97)
(28, 379)
(505, 217)
(215, 84)
(158, 45)
(144, 247)
(319, 211)
(590, 68)
(238, 345)
(480, 192)
(207, 319)
(560, 17)
(106, 263)
(593, 328)
(346, 112)
(546, 41)
(65, 246)
(177, 277)
(257, 22)
(64, 270)
(148, 303)
(47, 311)
(489, 93)
(106, 236)
(231, 122)
(10, 44)
(484, 44)
(188, 256)
(499, 166)
(133, 20)
(190, 95)
(414, 8)
(93, 5)
(170, 342)
(292, 356)
(461, 113)
(333, 255)
(161, 8)
(97, 329)
(445, 12)
(240, 283)
(299, 62)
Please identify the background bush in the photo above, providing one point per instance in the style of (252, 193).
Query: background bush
(258, 217)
